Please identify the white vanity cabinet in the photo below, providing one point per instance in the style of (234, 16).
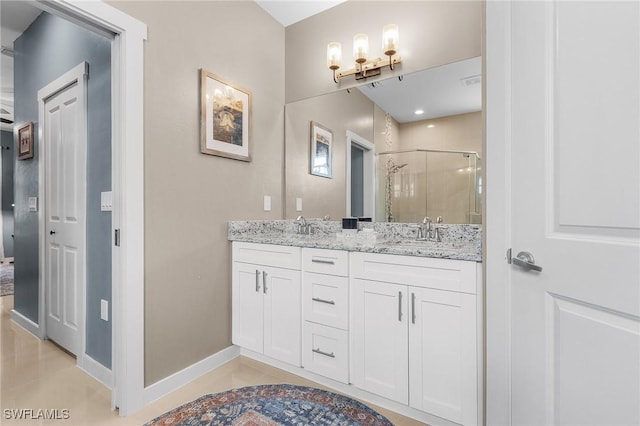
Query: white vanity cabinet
(325, 295)
(266, 289)
(415, 332)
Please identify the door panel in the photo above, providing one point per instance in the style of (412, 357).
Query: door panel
(380, 361)
(442, 354)
(282, 315)
(64, 142)
(247, 323)
(575, 205)
(575, 363)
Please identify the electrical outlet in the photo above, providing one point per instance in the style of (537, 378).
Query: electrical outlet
(298, 204)
(267, 203)
(104, 310)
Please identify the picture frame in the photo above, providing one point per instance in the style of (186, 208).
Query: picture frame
(225, 118)
(321, 150)
(25, 141)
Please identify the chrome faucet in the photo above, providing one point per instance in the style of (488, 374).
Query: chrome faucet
(436, 232)
(425, 230)
(304, 228)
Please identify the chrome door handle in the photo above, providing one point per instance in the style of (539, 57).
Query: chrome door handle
(264, 282)
(318, 351)
(257, 281)
(400, 306)
(328, 302)
(326, 262)
(413, 308)
(525, 260)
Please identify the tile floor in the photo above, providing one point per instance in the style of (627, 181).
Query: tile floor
(37, 374)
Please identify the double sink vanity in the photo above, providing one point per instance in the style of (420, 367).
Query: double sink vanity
(379, 315)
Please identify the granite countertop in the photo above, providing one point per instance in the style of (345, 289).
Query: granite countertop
(460, 242)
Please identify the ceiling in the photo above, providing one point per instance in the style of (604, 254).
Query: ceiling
(15, 17)
(292, 11)
(442, 91)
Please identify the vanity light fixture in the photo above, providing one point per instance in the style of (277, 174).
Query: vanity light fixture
(364, 67)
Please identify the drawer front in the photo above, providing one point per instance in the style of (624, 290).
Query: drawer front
(443, 274)
(326, 299)
(325, 351)
(332, 262)
(267, 254)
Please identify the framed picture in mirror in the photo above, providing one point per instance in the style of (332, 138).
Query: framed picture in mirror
(321, 158)
(225, 122)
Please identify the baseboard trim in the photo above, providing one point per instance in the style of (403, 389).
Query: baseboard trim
(27, 324)
(96, 370)
(182, 377)
(350, 390)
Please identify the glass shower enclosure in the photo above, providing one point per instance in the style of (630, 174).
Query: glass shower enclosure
(416, 183)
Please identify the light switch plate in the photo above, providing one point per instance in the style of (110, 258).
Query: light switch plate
(106, 201)
(33, 204)
(104, 310)
(267, 203)
(298, 204)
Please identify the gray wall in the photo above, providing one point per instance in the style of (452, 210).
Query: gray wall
(7, 191)
(47, 49)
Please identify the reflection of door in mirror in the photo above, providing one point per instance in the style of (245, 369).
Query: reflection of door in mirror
(360, 176)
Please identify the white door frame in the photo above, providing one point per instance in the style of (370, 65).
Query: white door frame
(369, 173)
(79, 75)
(127, 77)
(497, 213)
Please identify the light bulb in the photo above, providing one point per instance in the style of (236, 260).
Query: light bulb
(390, 39)
(360, 48)
(334, 55)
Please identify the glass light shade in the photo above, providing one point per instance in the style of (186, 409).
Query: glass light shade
(390, 39)
(360, 47)
(334, 55)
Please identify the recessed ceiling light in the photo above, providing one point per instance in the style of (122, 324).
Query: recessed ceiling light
(419, 111)
(431, 126)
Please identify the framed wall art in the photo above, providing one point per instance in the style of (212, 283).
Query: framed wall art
(225, 121)
(25, 141)
(321, 160)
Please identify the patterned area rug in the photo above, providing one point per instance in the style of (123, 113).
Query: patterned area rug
(6, 279)
(272, 405)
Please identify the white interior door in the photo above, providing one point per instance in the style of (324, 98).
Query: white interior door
(575, 206)
(64, 141)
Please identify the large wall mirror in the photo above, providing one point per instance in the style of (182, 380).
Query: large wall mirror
(401, 149)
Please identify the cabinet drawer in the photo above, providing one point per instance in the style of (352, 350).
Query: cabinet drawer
(322, 261)
(325, 351)
(444, 274)
(326, 299)
(267, 254)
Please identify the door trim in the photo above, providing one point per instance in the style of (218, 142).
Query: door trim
(127, 127)
(369, 161)
(497, 213)
(77, 75)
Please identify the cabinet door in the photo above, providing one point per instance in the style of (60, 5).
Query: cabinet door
(442, 354)
(380, 339)
(282, 314)
(247, 306)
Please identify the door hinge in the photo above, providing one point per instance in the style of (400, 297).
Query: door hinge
(117, 238)
(509, 256)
